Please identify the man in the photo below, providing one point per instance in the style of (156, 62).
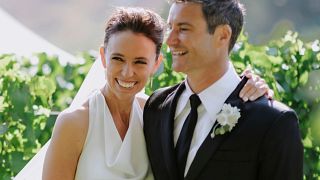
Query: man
(244, 141)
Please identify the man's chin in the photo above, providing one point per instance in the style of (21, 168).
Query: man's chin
(175, 67)
(178, 69)
(179, 64)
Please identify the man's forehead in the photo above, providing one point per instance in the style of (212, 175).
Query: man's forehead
(185, 1)
(184, 11)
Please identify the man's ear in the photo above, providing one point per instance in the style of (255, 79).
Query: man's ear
(157, 64)
(222, 35)
(103, 56)
(225, 33)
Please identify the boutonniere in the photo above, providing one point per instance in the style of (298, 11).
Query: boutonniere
(227, 118)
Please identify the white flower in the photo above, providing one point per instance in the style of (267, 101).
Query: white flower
(227, 118)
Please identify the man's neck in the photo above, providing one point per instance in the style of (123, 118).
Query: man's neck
(199, 81)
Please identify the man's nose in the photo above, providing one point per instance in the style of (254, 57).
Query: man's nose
(172, 37)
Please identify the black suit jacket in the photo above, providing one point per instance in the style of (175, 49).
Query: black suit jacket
(265, 144)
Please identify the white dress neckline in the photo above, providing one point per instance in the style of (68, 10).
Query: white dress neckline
(105, 155)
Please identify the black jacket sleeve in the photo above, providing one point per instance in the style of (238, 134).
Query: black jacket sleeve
(281, 154)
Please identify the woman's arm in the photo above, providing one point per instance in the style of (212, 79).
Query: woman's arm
(67, 140)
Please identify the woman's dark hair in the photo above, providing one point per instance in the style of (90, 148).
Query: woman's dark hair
(137, 20)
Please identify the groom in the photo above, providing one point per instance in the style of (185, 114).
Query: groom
(200, 128)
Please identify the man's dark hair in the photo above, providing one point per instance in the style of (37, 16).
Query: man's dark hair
(220, 12)
(137, 20)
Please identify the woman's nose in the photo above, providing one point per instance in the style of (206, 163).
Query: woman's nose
(127, 70)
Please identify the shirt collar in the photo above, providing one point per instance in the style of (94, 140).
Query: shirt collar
(183, 99)
(213, 97)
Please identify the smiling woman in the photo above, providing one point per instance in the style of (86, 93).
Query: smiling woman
(128, 67)
(104, 139)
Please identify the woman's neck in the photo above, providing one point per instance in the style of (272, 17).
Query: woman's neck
(120, 109)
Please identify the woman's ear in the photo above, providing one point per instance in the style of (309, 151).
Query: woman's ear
(157, 64)
(103, 56)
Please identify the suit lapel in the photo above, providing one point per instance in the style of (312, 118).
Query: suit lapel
(167, 121)
(210, 146)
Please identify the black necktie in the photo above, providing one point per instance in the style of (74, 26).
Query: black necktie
(185, 137)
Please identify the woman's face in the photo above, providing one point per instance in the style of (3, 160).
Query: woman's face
(129, 60)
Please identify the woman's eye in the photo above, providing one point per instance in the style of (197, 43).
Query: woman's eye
(117, 58)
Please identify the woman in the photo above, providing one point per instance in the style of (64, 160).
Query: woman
(104, 139)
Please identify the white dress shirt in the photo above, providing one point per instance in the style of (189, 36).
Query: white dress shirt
(212, 100)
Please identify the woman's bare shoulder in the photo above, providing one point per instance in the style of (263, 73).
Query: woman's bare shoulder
(77, 117)
(66, 144)
(73, 124)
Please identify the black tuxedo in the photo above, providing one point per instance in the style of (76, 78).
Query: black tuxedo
(264, 144)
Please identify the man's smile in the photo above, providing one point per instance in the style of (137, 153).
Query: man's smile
(178, 53)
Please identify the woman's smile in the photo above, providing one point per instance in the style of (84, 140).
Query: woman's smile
(126, 84)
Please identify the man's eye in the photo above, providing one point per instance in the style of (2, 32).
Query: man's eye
(184, 29)
(141, 62)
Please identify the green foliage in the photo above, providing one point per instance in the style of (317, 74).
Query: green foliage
(28, 88)
(290, 66)
(32, 89)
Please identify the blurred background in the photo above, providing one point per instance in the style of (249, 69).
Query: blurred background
(76, 26)
(35, 88)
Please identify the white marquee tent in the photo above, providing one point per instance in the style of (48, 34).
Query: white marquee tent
(15, 38)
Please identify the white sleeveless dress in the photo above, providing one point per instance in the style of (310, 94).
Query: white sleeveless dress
(105, 155)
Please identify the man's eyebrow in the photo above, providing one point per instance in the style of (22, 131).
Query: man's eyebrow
(184, 24)
(141, 58)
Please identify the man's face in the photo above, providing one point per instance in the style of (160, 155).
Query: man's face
(191, 45)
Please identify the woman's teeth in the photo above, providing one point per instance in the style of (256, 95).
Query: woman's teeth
(126, 84)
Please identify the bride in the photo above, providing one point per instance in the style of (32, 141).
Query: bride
(103, 138)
